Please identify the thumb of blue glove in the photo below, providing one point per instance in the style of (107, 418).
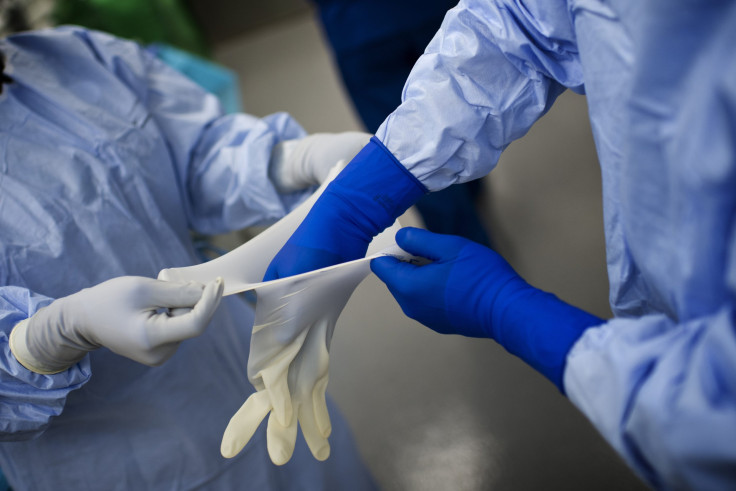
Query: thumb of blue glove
(471, 290)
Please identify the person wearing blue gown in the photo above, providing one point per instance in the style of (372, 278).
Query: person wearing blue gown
(108, 159)
(658, 380)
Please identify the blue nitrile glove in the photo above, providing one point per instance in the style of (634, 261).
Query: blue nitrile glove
(471, 290)
(365, 198)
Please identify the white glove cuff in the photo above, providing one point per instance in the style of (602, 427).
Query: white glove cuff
(19, 348)
(287, 178)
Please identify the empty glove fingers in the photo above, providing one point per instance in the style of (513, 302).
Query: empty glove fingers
(244, 424)
(281, 439)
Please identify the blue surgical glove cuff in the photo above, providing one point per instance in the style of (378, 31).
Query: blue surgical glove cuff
(377, 184)
(365, 198)
(539, 328)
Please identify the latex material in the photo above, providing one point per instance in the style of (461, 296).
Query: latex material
(139, 318)
(306, 162)
(368, 195)
(295, 320)
(109, 159)
(289, 361)
(289, 358)
(470, 290)
(658, 381)
(243, 268)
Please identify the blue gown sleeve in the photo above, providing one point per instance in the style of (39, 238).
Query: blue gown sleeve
(663, 394)
(491, 71)
(221, 160)
(29, 400)
(661, 387)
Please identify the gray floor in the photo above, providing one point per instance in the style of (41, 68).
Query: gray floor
(434, 412)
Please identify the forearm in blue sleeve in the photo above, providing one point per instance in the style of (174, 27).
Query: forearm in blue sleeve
(663, 394)
(29, 400)
(491, 71)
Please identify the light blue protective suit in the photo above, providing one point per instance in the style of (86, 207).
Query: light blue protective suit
(107, 159)
(659, 380)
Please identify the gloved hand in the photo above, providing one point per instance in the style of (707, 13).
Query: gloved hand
(299, 164)
(470, 290)
(365, 198)
(140, 318)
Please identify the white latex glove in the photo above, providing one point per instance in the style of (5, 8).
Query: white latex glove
(289, 351)
(289, 361)
(299, 164)
(140, 318)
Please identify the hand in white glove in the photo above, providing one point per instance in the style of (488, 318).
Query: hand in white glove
(140, 318)
(299, 164)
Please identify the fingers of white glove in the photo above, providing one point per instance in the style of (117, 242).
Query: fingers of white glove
(168, 329)
(319, 405)
(313, 435)
(153, 357)
(174, 294)
(278, 388)
(210, 299)
(179, 311)
(281, 439)
(244, 424)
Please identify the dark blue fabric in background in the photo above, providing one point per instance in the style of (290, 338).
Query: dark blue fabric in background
(375, 44)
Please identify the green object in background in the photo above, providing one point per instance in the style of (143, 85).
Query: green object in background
(145, 21)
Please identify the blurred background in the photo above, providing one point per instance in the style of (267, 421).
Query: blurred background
(429, 412)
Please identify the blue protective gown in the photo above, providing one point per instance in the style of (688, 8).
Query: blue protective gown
(659, 380)
(107, 159)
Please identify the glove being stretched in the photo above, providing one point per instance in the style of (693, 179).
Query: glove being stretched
(289, 361)
(290, 342)
(364, 199)
(471, 290)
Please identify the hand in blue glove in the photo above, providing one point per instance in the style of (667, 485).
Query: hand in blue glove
(365, 198)
(469, 289)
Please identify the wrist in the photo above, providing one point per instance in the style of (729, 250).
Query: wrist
(539, 328)
(18, 342)
(298, 164)
(377, 186)
(363, 200)
(287, 173)
(48, 342)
